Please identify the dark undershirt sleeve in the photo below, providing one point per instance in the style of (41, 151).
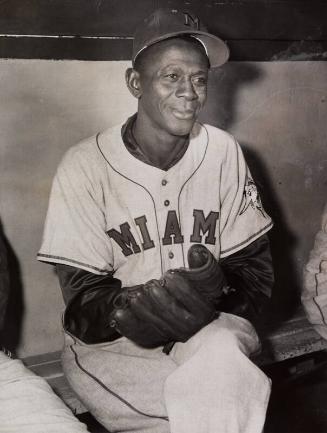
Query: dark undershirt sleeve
(250, 275)
(89, 300)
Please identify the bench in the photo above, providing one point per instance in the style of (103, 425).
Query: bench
(292, 338)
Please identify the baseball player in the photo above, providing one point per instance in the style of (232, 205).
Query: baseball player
(314, 291)
(159, 239)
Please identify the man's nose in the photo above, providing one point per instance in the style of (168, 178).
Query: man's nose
(186, 89)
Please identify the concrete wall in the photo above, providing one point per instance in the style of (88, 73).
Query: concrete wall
(277, 111)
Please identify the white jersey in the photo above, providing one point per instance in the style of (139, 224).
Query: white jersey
(109, 212)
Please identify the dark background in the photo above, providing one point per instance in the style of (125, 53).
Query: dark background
(256, 30)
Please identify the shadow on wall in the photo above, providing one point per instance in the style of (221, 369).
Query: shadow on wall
(11, 331)
(223, 91)
(221, 111)
(286, 293)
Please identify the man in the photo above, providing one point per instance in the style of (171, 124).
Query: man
(314, 293)
(27, 403)
(145, 350)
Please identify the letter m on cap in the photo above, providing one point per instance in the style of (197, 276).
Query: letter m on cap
(191, 21)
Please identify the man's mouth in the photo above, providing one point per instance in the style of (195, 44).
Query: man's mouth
(184, 114)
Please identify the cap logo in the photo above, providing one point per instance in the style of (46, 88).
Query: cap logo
(190, 21)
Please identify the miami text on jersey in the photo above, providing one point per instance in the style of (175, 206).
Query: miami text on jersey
(173, 234)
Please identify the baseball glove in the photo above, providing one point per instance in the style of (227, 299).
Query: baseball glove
(173, 308)
(205, 273)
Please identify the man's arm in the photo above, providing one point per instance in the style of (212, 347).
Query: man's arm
(89, 301)
(250, 275)
(151, 314)
(90, 297)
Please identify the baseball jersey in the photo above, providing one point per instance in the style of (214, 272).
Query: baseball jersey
(109, 212)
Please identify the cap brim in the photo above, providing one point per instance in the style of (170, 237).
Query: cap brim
(217, 50)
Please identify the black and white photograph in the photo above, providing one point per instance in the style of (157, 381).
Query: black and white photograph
(163, 216)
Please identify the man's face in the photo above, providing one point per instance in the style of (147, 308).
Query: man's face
(173, 83)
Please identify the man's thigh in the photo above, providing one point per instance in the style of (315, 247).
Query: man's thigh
(228, 330)
(120, 383)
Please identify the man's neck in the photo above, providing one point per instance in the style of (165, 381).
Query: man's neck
(159, 146)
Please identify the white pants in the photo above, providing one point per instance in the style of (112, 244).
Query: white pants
(28, 404)
(206, 385)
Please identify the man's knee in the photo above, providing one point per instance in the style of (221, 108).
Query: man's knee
(228, 333)
(234, 332)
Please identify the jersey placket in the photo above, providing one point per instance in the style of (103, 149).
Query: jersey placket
(171, 236)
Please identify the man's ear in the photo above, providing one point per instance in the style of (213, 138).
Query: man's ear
(132, 78)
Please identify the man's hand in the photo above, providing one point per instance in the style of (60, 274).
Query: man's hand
(161, 311)
(173, 308)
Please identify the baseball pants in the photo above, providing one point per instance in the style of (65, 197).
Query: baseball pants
(28, 404)
(206, 385)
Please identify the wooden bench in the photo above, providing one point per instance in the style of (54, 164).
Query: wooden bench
(293, 338)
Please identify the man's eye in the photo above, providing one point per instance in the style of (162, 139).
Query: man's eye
(201, 81)
(172, 76)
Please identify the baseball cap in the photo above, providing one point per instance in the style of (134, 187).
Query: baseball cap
(168, 23)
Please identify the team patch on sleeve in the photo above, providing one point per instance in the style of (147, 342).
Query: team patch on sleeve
(243, 218)
(251, 198)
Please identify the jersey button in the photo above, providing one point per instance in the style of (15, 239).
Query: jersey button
(171, 255)
(166, 202)
(164, 182)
